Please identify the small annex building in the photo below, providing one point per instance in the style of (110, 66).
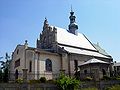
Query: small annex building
(56, 50)
(94, 68)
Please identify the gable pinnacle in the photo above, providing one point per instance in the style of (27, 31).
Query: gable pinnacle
(45, 22)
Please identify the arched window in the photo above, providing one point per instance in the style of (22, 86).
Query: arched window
(48, 65)
(30, 66)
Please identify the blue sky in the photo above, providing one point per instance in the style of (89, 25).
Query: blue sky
(22, 20)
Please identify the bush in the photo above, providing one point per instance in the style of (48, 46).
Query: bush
(43, 80)
(67, 83)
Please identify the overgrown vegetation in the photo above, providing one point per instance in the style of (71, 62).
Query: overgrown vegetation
(67, 83)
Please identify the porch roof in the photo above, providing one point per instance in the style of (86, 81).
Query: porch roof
(94, 60)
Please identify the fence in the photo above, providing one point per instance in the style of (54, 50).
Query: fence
(31, 76)
(15, 86)
(101, 85)
(36, 75)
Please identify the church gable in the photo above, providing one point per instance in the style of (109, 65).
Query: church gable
(47, 37)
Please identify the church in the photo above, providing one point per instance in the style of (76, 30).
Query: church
(57, 50)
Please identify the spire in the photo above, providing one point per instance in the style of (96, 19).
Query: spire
(71, 9)
(72, 26)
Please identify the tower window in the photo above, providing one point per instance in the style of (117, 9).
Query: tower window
(48, 65)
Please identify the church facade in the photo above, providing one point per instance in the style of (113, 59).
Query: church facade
(56, 50)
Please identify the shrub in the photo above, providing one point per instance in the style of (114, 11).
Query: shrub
(67, 83)
(43, 80)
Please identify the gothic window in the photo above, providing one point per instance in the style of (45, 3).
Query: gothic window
(30, 66)
(48, 64)
(17, 63)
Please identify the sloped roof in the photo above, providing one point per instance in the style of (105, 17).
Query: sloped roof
(94, 60)
(83, 52)
(66, 38)
(102, 51)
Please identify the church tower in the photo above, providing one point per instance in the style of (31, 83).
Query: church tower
(72, 26)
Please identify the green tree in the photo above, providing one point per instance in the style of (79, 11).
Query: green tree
(5, 67)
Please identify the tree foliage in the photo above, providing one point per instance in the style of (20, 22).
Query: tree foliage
(5, 68)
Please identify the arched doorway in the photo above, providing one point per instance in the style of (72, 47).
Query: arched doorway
(16, 74)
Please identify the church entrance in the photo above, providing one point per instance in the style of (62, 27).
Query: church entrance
(16, 74)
